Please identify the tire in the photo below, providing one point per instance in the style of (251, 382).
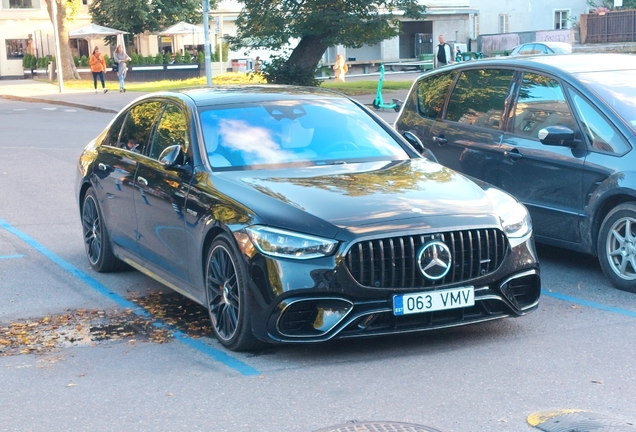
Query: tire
(96, 240)
(226, 296)
(616, 247)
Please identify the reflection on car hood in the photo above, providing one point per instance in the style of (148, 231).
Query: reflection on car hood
(362, 197)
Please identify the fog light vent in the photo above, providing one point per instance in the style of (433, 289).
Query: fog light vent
(523, 290)
(312, 317)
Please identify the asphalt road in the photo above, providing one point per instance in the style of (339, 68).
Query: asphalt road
(576, 351)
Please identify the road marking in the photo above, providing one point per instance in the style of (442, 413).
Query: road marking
(216, 354)
(588, 303)
(19, 109)
(11, 256)
(578, 420)
(49, 109)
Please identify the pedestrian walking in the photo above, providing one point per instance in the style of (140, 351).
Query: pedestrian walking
(340, 69)
(121, 59)
(98, 67)
(443, 53)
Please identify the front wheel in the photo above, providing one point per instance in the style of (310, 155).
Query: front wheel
(226, 296)
(96, 240)
(617, 247)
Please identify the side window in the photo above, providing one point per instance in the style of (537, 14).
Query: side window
(138, 125)
(527, 50)
(601, 135)
(479, 96)
(172, 129)
(541, 103)
(113, 133)
(431, 93)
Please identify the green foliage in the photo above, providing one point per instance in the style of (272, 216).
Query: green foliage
(167, 58)
(215, 54)
(76, 60)
(200, 57)
(139, 16)
(150, 60)
(43, 62)
(29, 61)
(83, 61)
(318, 24)
(109, 61)
(280, 71)
(178, 58)
(187, 57)
(134, 59)
(158, 59)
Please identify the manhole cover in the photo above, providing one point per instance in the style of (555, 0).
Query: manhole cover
(378, 427)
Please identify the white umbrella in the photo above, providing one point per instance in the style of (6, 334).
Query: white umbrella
(93, 31)
(181, 29)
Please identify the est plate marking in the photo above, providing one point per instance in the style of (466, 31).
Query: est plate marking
(404, 304)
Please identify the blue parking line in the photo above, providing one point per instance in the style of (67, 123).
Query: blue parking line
(11, 256)
(588, 303)
(218, 355)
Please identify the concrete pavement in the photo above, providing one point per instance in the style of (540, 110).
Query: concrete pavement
(112, 102)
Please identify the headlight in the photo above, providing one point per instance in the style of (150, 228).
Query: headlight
(288, 244)
(514, 217)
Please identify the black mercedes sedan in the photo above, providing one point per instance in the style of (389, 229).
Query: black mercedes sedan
(297, 215)
(557, 132)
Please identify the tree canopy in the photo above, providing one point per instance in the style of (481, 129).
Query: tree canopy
(138, 16)
(317, 25)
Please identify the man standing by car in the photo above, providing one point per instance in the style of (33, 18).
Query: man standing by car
(443, 55)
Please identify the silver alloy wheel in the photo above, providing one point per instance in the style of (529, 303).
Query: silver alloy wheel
(92, 227)
(223, 293)
(621, 248)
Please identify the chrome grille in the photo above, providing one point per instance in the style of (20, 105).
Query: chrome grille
(392, 262)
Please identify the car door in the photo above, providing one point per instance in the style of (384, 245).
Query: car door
(113, 179)
(160, 198)
(546, 178)
(468, 137)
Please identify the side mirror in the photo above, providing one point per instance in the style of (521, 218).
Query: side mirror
(557, 136)
(417, 144)
(172, 157)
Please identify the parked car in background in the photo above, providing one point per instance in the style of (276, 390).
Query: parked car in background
(557, 132)
(298, 215)
(534, 48)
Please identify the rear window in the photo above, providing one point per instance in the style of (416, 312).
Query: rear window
(617, 88)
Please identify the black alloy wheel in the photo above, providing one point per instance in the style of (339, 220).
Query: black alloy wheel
(226, 296)
(617, 246)
(96, 241)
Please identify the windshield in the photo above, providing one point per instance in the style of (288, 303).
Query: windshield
(325, 131)
(618, 89)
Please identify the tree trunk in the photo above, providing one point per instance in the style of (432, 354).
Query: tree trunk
(69, 71)
(307, 53)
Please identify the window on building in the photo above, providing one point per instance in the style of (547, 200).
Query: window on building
(474, 27)
(16, 48)
(561, 19)
(21, 4)
(503, 23)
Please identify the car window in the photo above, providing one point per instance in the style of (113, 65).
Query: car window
(528, 49)
(138, 125)
(541, 103)
(479, 96)
(113, 133)
(171, 129)
(600, 133)
(294, 131)
(617, 89)
(431, 93)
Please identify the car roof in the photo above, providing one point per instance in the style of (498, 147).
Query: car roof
(570, 63)
(207, 96)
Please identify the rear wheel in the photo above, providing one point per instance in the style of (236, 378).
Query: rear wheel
(96, 240)
(617, 247)
(226, 296)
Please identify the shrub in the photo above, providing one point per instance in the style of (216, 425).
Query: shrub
(167, 58)
(109, 61)
(29, 61)
(278, 71)
(158, 59)
(134, 59)
(150, 60)
(200, 57)
(187, 57)
(178, 58)
(76, 60)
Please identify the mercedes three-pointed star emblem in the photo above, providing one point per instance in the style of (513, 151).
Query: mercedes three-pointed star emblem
(434, 260)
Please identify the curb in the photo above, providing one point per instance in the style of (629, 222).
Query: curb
(60, 102)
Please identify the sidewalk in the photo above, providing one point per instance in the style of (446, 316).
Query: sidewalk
(112, 102)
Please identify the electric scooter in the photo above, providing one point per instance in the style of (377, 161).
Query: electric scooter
(378, 102)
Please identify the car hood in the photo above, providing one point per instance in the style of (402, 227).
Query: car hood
(361, 197)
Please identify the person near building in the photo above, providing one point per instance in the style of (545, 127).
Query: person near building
(340, 68)
(98, 67)
(121, 58)
(443, 53)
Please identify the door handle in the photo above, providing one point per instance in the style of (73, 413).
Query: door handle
(440, 140)
(142, 181)
(513, 154)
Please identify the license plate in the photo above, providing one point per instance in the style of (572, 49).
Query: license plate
(405, 304)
